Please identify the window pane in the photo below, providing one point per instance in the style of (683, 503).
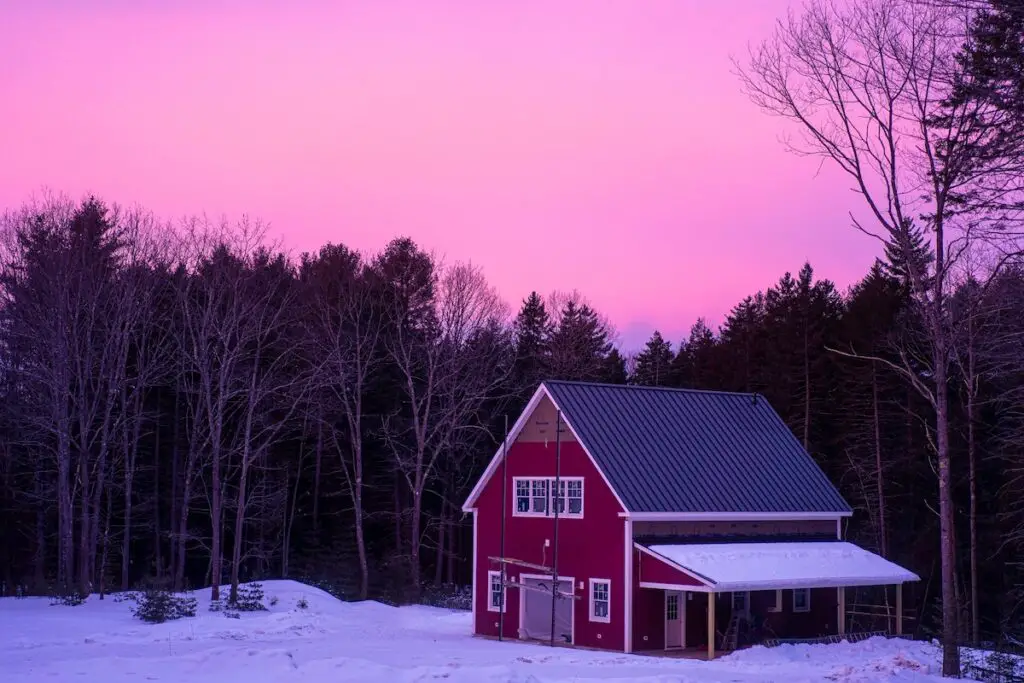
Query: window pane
(575, 496)
(540, 495)
(558, 496)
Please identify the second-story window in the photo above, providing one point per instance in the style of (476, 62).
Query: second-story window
(538, 497)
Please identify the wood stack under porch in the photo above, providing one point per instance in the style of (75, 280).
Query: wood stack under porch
(760, 592)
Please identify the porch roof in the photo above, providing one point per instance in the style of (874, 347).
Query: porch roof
(729, 567)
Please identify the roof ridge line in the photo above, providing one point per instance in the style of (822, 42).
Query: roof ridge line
(639, 387)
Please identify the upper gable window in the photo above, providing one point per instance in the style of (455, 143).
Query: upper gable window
(538, 497)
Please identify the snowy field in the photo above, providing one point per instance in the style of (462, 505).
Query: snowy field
(331, 641)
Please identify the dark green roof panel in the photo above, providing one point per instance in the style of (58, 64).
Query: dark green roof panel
(677, 450)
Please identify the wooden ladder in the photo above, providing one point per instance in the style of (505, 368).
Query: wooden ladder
(729, 639)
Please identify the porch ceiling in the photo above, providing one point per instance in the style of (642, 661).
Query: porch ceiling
(730, 567)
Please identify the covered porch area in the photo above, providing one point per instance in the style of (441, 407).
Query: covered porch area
(714, 597)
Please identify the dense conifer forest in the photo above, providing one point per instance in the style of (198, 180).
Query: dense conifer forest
(182, 403)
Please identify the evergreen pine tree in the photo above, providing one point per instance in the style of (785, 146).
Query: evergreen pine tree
(694, 366)
(654, 363)
(532, 330)
(614, 368)
(580, 344)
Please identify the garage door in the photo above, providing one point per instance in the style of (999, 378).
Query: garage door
(536, 614)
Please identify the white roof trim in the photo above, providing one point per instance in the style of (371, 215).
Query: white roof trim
(625, 510)
(676, 587)
(733, 516)
(772, 566)
(541, 392)
(513, 434)
(679, 568)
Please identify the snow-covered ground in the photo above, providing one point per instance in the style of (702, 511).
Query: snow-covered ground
(331, 641)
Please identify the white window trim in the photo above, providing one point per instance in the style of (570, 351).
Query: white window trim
(777, 607)
(807, 607)
(593, 617)
(550, 512)
(490, 592)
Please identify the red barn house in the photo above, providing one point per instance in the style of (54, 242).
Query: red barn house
(671, 501)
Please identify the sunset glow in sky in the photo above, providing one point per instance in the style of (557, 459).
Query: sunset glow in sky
(592, 144)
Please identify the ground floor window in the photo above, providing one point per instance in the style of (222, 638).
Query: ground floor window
(600, 600)
(801, 600)
(497, 592)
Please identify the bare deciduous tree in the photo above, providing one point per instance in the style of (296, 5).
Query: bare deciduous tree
(451, 362)
(868, 87)
(348, 323)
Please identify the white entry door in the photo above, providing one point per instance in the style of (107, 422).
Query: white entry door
(675, 620)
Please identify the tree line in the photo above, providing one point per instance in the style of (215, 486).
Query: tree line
(185, 404)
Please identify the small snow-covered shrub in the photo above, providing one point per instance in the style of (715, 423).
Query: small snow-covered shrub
(67, 597)
(273, 601)
(216, 606)
(250, 599)
(231, 614)
(448, 596)
(302, 603)
(156, 606)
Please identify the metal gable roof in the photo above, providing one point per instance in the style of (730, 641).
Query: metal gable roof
(678, 450)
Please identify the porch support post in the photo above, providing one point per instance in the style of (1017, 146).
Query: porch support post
(899, 609)
(711, 626)
(842, 610)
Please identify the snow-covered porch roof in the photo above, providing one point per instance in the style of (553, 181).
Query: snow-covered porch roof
(730, 567)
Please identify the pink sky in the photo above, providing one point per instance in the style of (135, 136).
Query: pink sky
(588, 144)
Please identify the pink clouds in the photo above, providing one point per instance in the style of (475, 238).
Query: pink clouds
(603, 146)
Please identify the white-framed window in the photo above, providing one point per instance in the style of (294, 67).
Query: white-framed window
(801, 600)
(601, 600)
(495, 593)
(777, 605)
(537, 497)
(740, 602)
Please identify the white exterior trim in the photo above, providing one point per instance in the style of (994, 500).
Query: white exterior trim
(777, 607)
(522, 600)
(490, 589)
(734, 516)
(510, 439)
(541, 392)
(676, 587)
(589, 454)
(627, 589)
(476, 545)
(678, 567)
(597, 619)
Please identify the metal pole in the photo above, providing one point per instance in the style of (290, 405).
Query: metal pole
(504, 496)
(556, 500)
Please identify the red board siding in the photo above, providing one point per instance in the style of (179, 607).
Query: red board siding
(592, 547)
(654, 570)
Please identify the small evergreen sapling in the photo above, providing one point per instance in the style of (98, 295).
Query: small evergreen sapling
(156, 606)
(250, 599)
